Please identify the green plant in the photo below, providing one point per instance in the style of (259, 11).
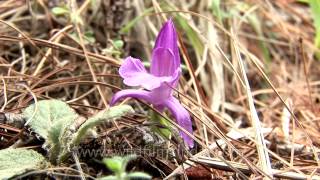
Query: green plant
(116, 48)
(88, 37)
(315, 12)
(65, 11)
(118, 166)
(75, 18)
(14, 162)
(216, 10)
(55, 121)
(60, 10)
(165, 130)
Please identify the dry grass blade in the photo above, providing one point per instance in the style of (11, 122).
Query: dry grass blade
(264, 160)
(80, 35)
(62, 47)
(216, 163)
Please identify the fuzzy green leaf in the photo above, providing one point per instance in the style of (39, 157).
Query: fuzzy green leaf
(18, 161)
(52, 120)
(103, 116)
(126, 159)
(118, 164)
(49, 116)
(114, 163)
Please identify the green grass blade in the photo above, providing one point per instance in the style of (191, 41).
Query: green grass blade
(315, 10)
(216, 10)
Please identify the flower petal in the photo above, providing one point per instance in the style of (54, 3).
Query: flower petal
(182, 117)
(167, 38)
(162, 63)
(162, 93)
(130, 67)
(138, 94)
(134, 74)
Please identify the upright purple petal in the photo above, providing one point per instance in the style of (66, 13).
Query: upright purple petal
(137, 94)
(134, 74)
(167, 38)
(182, 117)
(162, 62)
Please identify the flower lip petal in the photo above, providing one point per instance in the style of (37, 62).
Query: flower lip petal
(165, 90)
(182, 117)
(138, 94)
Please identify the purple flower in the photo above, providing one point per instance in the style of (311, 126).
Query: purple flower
(164, 72)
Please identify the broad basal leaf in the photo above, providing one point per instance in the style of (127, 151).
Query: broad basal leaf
(52, 120)
(46, 113)
(18, 161)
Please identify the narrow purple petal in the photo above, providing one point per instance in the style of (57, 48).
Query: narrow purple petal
(167, 38)
(182, 117)
(138, 94)
(134, 74)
